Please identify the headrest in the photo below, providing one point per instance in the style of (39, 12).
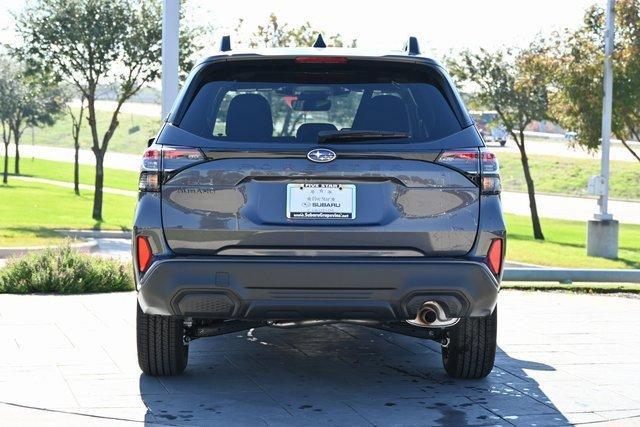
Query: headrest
(249, 118)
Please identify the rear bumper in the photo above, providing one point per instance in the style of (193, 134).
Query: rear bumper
(276, 288)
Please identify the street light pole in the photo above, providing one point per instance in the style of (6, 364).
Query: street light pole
(603, 200)
(170, 51)
(602, 232)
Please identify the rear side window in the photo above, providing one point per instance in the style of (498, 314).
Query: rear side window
(284, 101)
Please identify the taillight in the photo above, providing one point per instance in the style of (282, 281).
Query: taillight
(480, 165)
(159, 161)
(174, 158)
(494, 256)
(144, 252)
(150, 170)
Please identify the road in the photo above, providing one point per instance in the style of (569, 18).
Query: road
(568, 207)
(70, 360)
(550, 206)
(140, 108)
(553, 147)
(85, 157)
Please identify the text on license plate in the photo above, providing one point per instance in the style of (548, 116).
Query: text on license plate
(324, 201)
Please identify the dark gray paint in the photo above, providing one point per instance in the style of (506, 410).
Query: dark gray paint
(241, 202)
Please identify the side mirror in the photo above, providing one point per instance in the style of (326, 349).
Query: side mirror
(150, 141)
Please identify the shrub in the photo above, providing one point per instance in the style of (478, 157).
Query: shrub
(64, 270)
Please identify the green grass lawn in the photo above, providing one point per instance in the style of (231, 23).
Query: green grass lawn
(565, 244)
(567, 175)
(59, 135)
(63, 171)
(30, 212)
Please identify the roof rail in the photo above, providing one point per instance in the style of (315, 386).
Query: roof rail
(319, 41)
(412, 47)
(225, 43)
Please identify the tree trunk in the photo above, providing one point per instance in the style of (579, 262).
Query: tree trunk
(6, 138)
(76, 169)
(633, 153)
(16, 141)
(99, 155)
(76, 127)
(285, 125)
(5, 174)
(535, 219)
(97, 195)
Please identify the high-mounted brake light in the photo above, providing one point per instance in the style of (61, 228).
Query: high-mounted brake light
(480, 165)
(494, 256)
(144, 252)
(158, 161)
(321, 60)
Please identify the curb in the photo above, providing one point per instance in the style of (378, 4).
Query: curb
(84, 247)
(95, 234)
(570, 275)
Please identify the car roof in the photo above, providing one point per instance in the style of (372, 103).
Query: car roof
(289, 52)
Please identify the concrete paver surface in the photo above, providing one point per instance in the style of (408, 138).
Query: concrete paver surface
(563, 359)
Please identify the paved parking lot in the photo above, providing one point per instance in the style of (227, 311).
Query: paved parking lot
(563, 359)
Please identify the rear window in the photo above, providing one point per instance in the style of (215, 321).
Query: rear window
(286, 101)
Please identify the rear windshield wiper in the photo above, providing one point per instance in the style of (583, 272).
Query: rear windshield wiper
(359, 135)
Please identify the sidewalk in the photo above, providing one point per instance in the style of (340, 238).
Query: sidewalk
(86, 157)
(70, 185)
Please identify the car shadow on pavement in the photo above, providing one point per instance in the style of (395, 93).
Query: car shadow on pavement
(341, 375)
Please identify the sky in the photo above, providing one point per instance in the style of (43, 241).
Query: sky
(441, 26)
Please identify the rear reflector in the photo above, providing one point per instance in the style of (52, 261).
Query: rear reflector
(494, 256)
(321, 60)
(144, 253)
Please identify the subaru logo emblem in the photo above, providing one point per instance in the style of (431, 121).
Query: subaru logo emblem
(321, 155)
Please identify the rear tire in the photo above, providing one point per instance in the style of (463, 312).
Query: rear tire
(161, 348)
(471, 351)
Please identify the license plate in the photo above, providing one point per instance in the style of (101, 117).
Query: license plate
(321, 201)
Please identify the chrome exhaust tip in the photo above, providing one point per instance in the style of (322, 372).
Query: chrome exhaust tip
(428, 315)
(432, 315)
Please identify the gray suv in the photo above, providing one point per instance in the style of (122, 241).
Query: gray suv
(309, 186)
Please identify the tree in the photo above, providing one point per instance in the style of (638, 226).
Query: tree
(76, 126)
(515, 84)
(274, 34)
(7, 104)
(38, 102)
(90, 42)
(26, 101)
(578, 58)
